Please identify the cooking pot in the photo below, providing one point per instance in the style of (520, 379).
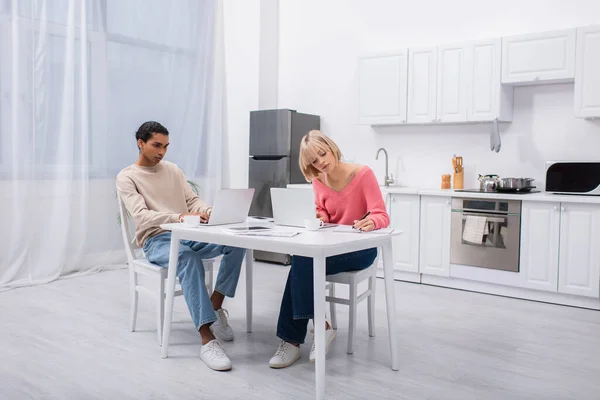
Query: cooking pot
(488, 183)
(515, 183)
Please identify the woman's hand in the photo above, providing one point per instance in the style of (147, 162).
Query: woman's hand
(321, 217)
(364, 225)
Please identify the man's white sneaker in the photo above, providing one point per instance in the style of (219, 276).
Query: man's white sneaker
(214, 357)
(285, 355)
(329, 336)
(220, 328)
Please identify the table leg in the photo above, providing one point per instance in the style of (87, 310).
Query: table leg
(249, 274)
(390, 299)
(319, 321)
(171, 275)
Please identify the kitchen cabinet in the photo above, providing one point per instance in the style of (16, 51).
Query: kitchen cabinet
(547, 57)
(404, 216)
(458, 83)
(540, 230)
(383, 80)
(579, 252)
(487, 98)
(422, 85)
(434, 248)
(587, 73)
(451, 84)
(559, 247)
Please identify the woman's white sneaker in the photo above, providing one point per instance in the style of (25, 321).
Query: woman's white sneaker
(214, 357)
(329, 336)
(285, 355)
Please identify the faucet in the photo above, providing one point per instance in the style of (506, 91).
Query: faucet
(388, 179)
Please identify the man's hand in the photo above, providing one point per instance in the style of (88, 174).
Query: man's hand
(203, 217)
(364, 225)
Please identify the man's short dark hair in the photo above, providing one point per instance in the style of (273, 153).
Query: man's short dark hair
(149, 128)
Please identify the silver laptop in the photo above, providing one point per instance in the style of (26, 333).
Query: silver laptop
(292, 206)
(231, 206)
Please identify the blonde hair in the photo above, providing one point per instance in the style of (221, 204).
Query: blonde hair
(310, 145)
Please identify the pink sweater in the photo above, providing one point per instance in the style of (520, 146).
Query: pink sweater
(362, 194)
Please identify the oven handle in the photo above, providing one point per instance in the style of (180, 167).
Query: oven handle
(489, 219)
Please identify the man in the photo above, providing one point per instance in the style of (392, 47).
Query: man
(156, 192)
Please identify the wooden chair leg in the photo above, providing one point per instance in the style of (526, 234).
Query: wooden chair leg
(352, 316)
(133, 298)
(371, 303)
(160, 309)
(332, 313)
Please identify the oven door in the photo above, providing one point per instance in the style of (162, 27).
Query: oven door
(486, 233)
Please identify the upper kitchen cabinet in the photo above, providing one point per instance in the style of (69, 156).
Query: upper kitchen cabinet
(587, 73)
(383, 88)
(458, 83)
(422, 85)
(451, 84)
(487, 98)
(538, 58)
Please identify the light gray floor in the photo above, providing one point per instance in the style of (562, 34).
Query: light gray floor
(69, 340)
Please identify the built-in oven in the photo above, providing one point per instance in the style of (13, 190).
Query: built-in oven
(486, 233)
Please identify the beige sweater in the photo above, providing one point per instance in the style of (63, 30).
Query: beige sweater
(156, 195)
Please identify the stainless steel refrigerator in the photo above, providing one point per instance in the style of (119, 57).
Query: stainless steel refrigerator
(274, 149)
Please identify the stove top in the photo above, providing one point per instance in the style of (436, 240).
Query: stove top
(516, 191)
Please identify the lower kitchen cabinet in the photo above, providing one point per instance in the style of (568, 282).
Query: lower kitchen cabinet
(404, 216)
(435, 235)
(560, 247)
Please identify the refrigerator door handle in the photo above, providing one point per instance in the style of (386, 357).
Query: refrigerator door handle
(267, 158)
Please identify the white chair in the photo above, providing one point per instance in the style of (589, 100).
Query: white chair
(139, 265)
(352, 279)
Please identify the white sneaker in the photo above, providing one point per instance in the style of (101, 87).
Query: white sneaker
(329, 336)
(220, 328)
(286, 355)
(214, 357)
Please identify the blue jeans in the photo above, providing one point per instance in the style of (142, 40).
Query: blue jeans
(190, 271)
(297, 305)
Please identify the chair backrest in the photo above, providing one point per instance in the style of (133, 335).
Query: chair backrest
(130, 246)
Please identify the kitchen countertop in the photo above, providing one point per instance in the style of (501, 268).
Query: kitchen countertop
(541, 196)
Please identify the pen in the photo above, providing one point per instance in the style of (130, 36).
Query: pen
(363, 217)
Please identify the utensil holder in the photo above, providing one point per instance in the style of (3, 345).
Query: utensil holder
(459, 180)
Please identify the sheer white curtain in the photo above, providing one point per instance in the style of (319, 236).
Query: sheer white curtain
(77, 78)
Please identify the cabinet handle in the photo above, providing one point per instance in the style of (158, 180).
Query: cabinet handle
(393, 199)
(562, 209)
(448, 202)
(433, 120)
(556, 208)
(536, 78)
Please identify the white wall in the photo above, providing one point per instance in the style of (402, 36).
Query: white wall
(242, 28)
(319, 45)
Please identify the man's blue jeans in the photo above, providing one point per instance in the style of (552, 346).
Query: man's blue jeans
(190, 271)
(297, 305)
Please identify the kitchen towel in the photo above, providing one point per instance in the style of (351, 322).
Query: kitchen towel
(475, 228)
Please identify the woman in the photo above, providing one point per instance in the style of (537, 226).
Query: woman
(344, 193)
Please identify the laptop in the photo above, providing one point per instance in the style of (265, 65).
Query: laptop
(231, 206)
(292, 206)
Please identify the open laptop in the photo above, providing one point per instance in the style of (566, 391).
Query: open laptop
(292, 206)
(231, 206)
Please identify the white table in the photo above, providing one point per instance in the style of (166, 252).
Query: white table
(318, 245)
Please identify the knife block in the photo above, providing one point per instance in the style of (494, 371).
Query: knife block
(459, 180)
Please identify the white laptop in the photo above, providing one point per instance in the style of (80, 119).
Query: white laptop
(292, 206)
(231, 206)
